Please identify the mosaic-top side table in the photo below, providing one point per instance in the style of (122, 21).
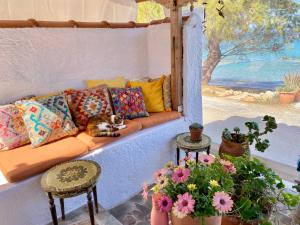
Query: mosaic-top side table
(184, 142)
(71, 179)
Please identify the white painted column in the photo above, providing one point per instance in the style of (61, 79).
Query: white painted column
(192, 67)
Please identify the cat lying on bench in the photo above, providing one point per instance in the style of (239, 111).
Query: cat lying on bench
(105, 126)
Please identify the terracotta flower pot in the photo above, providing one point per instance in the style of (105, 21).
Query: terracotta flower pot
(157, 217)
(230, 220)
(287, 97)
(232, 148)
(196, 134)
(297, 98)
(188, 220)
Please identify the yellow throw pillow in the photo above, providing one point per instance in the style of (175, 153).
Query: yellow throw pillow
(118, 82)
(153, 94)
(166, 92)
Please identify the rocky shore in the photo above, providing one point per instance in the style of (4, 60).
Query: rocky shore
(243, 95)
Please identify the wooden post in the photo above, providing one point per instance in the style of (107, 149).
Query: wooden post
(176, 55)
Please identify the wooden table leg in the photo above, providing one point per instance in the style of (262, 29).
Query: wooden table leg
(91, 209)
(178, 155)
(186, 155)
(52, 209)
(95, 198)
(208, 150)
(62, 208)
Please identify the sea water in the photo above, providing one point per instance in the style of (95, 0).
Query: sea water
(258, 71)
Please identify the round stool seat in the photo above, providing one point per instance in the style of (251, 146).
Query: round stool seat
(71, 178)
(184, 142)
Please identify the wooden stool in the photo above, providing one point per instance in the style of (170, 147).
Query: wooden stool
(71, 179)
(184, 142)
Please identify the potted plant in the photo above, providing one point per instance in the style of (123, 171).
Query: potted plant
(196, 194)
(196, 130)
(257, 192)
(297, 84)
(236, 143)
(287, 95)
(290, 89)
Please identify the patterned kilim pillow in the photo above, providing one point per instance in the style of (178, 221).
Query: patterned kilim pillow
(129, 102)
(87, 103)
(13, 132)
(43, 125)
(59, 105)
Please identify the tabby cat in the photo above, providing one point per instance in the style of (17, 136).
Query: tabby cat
(104, 126)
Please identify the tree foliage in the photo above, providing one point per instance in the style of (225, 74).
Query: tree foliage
(249, 26)
(148, 11)
(253, 26)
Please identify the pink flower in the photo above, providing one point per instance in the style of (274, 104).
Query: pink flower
(206, 159)
(178, 214)
(228, 166)
(185, 203)
(222, 202)
(162, 182)
(180, 175)
(165, 204)
(145, 191)
(158, 174)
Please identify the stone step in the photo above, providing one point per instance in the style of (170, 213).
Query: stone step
(81, 217)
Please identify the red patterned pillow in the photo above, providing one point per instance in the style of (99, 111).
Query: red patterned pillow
(129, 102)
(87, 103)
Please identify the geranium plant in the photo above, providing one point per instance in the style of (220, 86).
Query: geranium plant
(198, 190)
(258, 190)
(254, 133)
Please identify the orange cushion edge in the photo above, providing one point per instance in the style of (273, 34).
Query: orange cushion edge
(158, 118)
(13, 176)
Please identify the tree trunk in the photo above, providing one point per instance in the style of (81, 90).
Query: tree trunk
(214, 57)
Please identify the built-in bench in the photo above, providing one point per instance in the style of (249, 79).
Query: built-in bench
(25, 161)
(93, 54)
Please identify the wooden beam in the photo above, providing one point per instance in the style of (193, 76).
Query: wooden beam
(176, 56)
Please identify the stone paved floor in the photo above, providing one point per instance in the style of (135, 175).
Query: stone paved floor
(135, 211)
(81, 217)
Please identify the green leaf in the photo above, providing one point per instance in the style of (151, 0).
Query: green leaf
(290, 199)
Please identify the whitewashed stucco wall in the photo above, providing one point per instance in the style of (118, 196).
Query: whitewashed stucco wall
(41, 60)
(158, 46)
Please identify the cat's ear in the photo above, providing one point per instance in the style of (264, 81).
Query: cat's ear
(119, 117)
